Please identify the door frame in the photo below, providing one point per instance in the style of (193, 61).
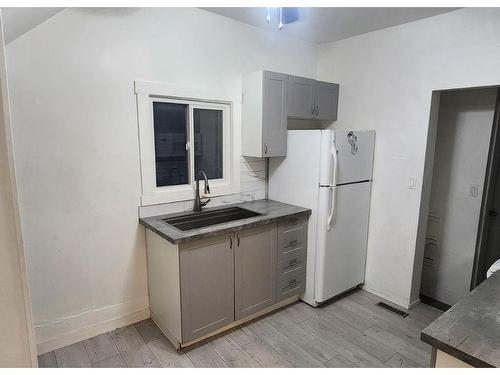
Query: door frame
(490, 182)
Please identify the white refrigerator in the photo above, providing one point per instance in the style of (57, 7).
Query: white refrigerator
(330, 172)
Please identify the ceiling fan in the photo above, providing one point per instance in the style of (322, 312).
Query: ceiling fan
(286, 16)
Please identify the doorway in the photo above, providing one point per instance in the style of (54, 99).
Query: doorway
(460, 167)
(488, 239)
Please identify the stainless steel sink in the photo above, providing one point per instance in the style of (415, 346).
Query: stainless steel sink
(204, 219)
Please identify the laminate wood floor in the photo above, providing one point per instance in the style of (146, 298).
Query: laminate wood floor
(349, 332)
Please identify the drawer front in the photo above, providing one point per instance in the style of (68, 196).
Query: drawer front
(294, 266)
(292, 239)
(291, 286)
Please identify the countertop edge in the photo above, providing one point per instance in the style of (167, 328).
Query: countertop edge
(218, 232)
(457, 353)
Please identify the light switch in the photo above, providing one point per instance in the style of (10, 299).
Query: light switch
(474, 190)
(412, 182)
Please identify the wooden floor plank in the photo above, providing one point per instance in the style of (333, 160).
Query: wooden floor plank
(115, 361)
(351, 331)
(73, 355)
(339, 362)
(294, 314)
(148, 330)
(47, 360)
(205, 356)
(242, 336)
(399, 360)
(343, 346)
(311, 344)
(100, 347)
(133, 349)
(283, 345)
(399, 345)
(359, 338)
(167, 355)
(232, 353)
(265, 355)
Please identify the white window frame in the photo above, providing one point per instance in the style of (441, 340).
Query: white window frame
(228, 102)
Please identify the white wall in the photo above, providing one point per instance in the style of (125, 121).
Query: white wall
(17, 348)
(462, 145)
(76, 146)
(386, 80)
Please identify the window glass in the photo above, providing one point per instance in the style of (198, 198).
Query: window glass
(208, 146)
(171, 156)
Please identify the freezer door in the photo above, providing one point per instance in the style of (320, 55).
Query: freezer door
(355, 155)
(341, 251)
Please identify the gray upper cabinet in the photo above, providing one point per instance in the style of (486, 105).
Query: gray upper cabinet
(207, 286)
(255, 270)
(309, 99)
(326, 97)
(301, 97)
(264, 114)
(270, 98)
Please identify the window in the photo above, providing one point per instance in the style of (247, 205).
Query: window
(188, 137)
(179, 137)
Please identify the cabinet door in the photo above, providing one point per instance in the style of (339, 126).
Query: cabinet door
(207, 286)
(255, 270)
(274, 114)
(326, 97)
(301, 97)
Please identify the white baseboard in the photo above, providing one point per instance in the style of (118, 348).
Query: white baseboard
(69, 330)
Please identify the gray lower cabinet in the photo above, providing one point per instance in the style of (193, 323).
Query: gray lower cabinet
(197, 288)
(255, 270)
(207, 286)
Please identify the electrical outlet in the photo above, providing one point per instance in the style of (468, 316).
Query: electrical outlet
(412, 182)
(474, 190)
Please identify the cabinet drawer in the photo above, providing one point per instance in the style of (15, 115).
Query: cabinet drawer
(294, 266)
(292, 239)
(291, 286)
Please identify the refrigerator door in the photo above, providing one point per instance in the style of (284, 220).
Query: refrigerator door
(341, 251)
(355, 155)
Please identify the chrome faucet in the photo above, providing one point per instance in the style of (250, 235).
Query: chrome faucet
(198, 204)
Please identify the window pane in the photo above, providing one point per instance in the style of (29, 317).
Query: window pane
(208, 146)
(170, 125)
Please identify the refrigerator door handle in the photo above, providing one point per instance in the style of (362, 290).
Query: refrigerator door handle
(333, 187)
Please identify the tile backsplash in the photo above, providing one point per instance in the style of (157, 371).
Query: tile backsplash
(252, 187)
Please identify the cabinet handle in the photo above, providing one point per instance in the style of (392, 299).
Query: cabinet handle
(317, 110)
(293, 243)
(265, 148)
(231, 242)
(292, 262)
(313, 109)
(293, 281)
(238, 238)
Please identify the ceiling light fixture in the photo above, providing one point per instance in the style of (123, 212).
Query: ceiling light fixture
(286, 16)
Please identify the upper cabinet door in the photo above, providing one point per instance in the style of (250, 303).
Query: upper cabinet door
(326, 97)
(301, 97)
(255, 270)
(274, 114)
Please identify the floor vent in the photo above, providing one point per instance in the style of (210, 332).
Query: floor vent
(385, 306)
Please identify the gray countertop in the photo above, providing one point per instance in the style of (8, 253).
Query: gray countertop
(271, 211)
(470, 330)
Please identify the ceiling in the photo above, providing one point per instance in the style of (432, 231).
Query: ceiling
(320, 25)
(316, 25)
(17, 21)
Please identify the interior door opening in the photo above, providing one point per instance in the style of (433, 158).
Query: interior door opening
(462, 173)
